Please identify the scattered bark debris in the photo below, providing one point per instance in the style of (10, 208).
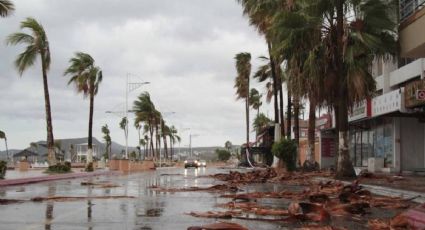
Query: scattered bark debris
(75, 198)
(315, 204)
(216, 214)
(10, 201)
(219, 226)
(214, 188)
(101, 184)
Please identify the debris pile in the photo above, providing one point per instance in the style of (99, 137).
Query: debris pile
(317, 203)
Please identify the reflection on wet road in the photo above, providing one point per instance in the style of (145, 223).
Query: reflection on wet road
(149, 210)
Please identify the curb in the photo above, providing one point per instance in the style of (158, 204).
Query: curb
(385, 191)
(31, 180)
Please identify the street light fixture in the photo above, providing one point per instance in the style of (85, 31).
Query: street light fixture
(129, 87)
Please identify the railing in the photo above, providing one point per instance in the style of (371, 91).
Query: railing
(408, 7)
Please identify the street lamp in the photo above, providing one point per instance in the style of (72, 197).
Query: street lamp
(129, 87)
(190, 142)
(162, 133)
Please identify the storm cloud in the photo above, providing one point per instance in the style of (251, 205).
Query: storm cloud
(185, 48)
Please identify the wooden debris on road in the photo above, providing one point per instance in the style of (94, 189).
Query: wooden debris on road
(219, 226)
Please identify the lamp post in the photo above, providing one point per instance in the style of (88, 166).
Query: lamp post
(190, 143)
(129, 87)
(162, 133)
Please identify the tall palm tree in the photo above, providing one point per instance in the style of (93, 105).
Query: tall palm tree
(142, 143)
(173, 138)
(107, 138)
(37, 44)
(123, 126)
(145, 112)
(261, 121)
(138, 126)
(255, 100)
(6, 8)
(3, 136)
(243, 69)
(86, 77)
(261, 15)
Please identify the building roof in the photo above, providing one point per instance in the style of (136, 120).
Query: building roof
(25, 153)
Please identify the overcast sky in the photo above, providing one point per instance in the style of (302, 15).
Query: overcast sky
(185, 48)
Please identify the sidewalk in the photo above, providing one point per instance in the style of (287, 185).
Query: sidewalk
(388, 189)
(37, 179)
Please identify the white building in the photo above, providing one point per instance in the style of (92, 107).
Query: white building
(387, 132)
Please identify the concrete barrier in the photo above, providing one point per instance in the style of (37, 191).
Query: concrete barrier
(138, 166)
(123, 165)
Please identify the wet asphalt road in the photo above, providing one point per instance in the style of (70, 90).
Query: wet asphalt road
(149, 210)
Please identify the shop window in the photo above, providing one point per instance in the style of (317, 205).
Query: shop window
(383, 140)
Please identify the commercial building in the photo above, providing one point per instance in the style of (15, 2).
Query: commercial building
(387, 132)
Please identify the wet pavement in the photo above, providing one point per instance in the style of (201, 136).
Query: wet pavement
(149, 209)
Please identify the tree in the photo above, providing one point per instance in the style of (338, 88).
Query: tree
(86, 77)
(173, 138)
(243, 69)
(145, 112)
(107, 138)
(261, 121)
(228, 145)
(255, 100)
(37, 44)
(6, 8)
(124, 127)
(261, 15)
(138, 126)
(142, 142)
(223, 155)
(3, 136)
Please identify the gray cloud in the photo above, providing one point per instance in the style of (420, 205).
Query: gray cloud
(184, 48)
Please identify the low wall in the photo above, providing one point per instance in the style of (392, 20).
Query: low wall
(131, 166)
(23, 165)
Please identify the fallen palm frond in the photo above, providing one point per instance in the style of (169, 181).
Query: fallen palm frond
(75, 198)
(219, 226)
(214, 188)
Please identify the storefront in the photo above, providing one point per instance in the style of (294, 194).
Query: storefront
(373, 130)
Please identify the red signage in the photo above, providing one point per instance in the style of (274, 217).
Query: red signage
(420, 94)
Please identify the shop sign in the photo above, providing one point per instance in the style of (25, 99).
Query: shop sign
(415, 94)
(388, 103)
(360, 110)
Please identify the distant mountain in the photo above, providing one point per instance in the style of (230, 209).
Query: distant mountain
(65, 146)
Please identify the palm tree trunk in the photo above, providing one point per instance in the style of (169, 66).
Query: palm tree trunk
(51, 156)
(297, 121)
(275, 83)
(345, 168)
(289, 116)
(151, 152)
(311, 129)
(7, 150)
(140, 149)
(89, 142)
(282, 118)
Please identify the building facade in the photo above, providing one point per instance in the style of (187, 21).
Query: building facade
(387, 132)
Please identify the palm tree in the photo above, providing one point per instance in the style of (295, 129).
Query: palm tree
(173, 138)
(107, 138)
(123, 126)
(255, 100)
(6, 8)
(145, 112)
(86, 77)
(261, 121)
(243, 69)
(261, 14)
(37, 44)
(3, 136)
(138, 126)
(142, 142)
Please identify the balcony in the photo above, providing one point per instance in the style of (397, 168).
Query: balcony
(411, 29)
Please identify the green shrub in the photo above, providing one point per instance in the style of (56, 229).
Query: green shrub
(286, 150)
(3, 168)
(223, 155)
(89, 167)
(59, 168)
